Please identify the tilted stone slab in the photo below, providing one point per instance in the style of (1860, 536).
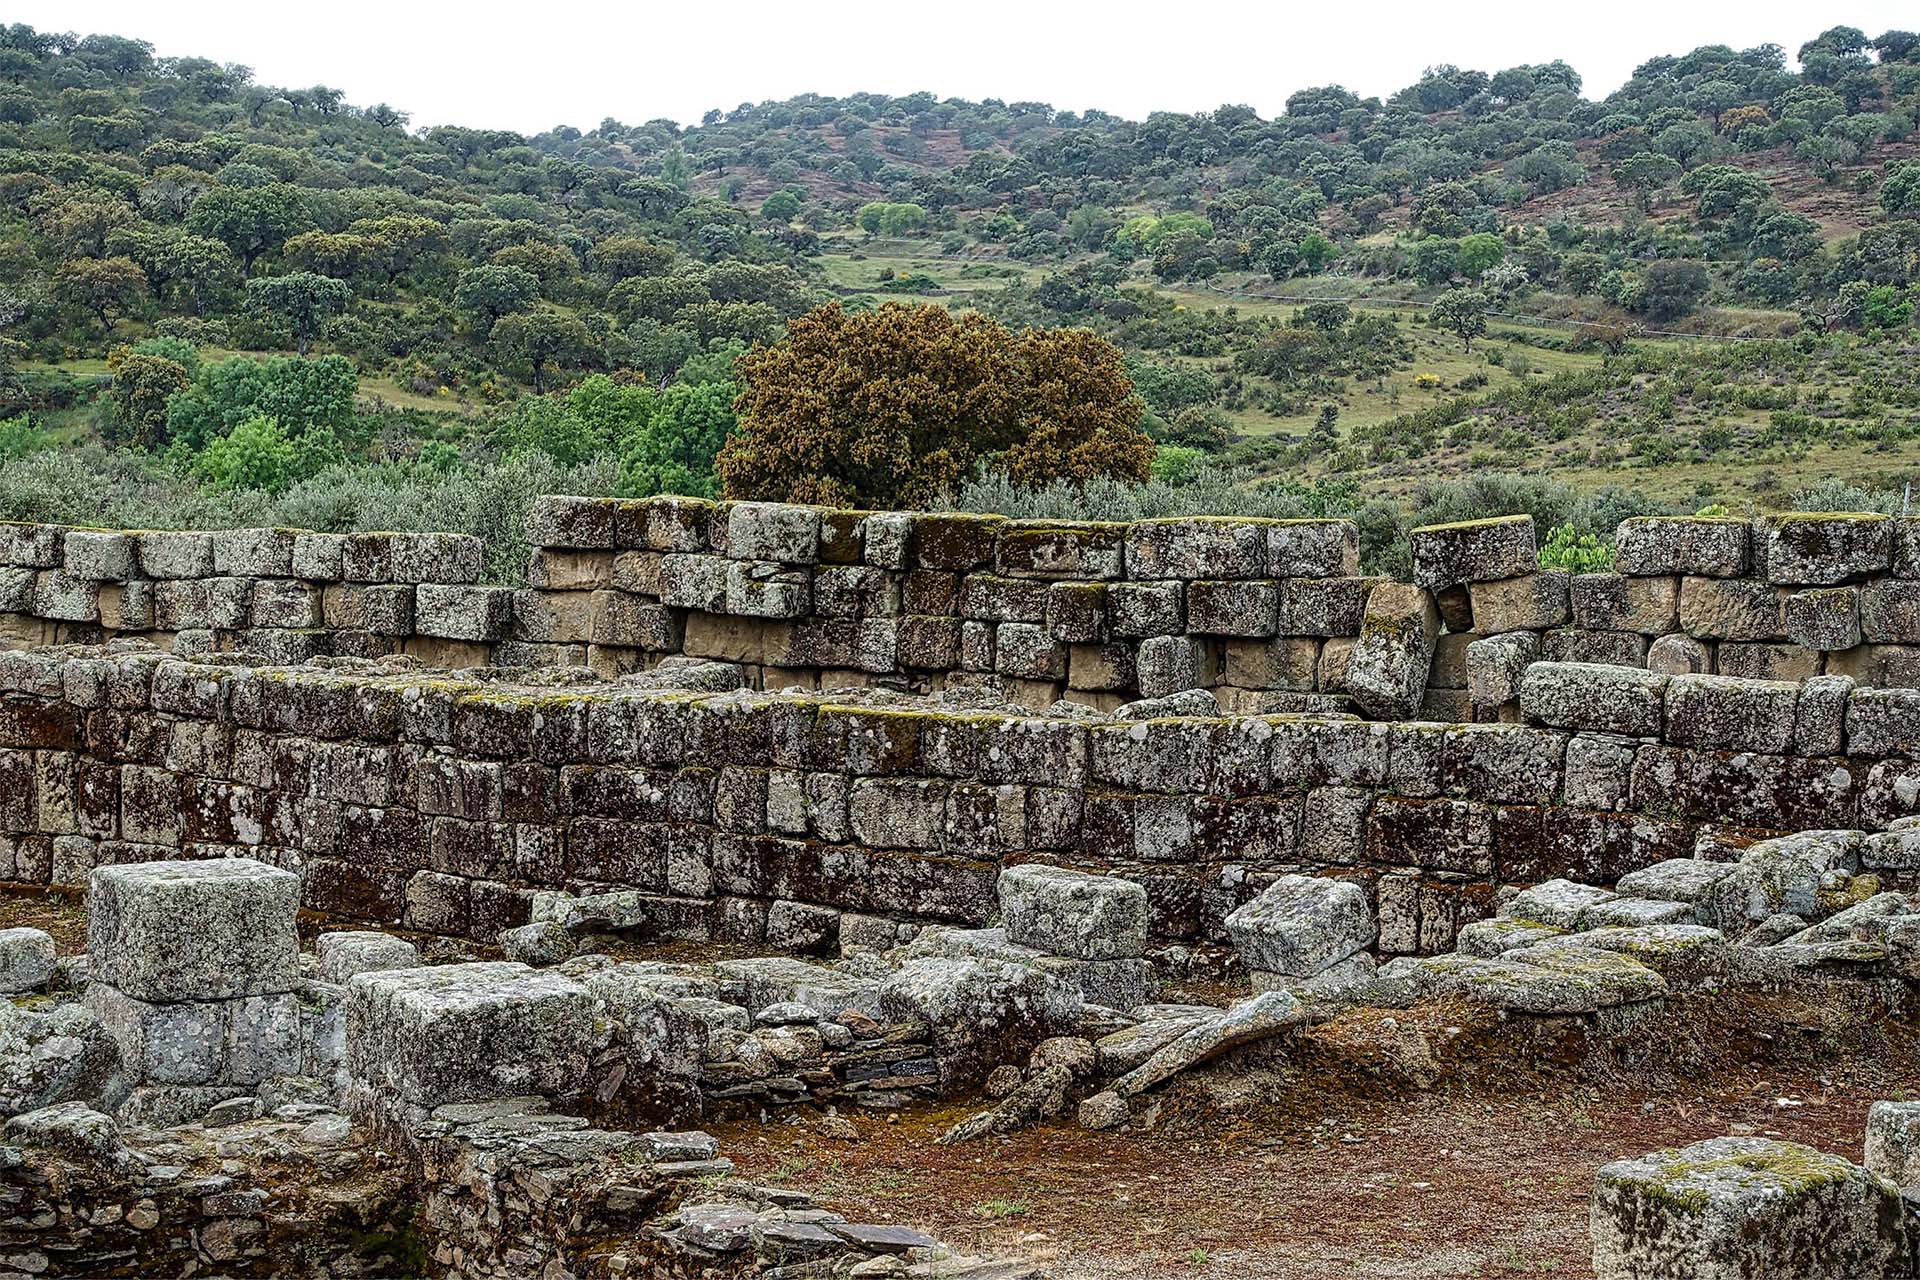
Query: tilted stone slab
(1388, 668)
(1740, 1209)
(1268, 1014)
(1301, 925)
(1072, 913)
(1684, 880)
(1545, 978)
(203, 930)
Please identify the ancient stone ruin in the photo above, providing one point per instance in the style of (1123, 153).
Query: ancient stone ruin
(427, 921)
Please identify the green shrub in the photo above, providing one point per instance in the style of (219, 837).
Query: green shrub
(1576, 552)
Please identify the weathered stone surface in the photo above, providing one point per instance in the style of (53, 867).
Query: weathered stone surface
(1740, 1208)
(1533, 602)
(1823, 619)
(344, 954)
(1448, 555)
(26, 960)
(1893, 1142)
(1709, 547)
(1814, 548)
(55, 1055)
(208, 930)
(1730, 609)
(1616, 602)
(1884, 722)
(1196, 547)
(1301, 925)
(241, 1041)
(565, 521)
(1071, 913)
(1387, 670)
(1559, 903)
(1890, 611)
(1580, 695)
(775, 531)
(470, 1033)
(1678, 655)
(1676, 879)
(1544, 978)
(1496, 665)
(1731, 714)
(981, 1012)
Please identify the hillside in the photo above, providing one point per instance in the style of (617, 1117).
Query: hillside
(1485, 269)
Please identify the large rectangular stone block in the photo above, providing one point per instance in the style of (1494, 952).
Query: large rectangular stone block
(776, 531)
(1707, 547)
(1579, 695)
(1197, 547)
(1233, 608)
(1313, 548)
(1533, 602)
(1733, 1208)
(1615, 602)
(462, 613)
(204, 930)
(254, 553)
(1731, 714)
(470, 1033)
(1449, 555)
(1730, 609)
(1070, 913)
(99, 555)
(1822, 549)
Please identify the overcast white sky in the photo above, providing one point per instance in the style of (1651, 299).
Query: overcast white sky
(530, 66)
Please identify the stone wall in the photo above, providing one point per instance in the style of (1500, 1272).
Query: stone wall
(1264, 612)
(1261, 609)
(443, 801)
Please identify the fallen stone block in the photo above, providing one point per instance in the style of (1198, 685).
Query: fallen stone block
(1684, 880)
(1301, 925)
(470, 1033)
(1560, 903)
(1685, 955)
(1893, 1142)
(1117, 984)
(1489, 938)
(1733, 1208)
(1071, 913)
(981, 1012)
(1545, 978)
(26, 960)
(204, 930)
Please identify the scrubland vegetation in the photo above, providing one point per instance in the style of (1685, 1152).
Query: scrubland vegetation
(225, 302)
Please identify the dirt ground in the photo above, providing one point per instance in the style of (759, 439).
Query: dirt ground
(1480, 1178)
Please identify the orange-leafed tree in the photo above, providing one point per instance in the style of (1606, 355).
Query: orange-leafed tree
(895, 407)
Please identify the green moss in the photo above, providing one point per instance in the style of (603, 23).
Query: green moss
(1486, 523)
